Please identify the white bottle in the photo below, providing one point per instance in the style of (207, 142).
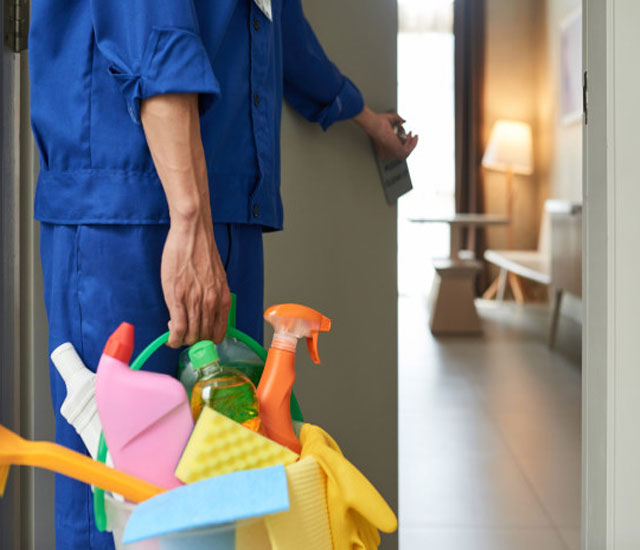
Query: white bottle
(79, 407)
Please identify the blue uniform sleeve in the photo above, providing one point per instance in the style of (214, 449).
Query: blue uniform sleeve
(313, 85)
(153, 47)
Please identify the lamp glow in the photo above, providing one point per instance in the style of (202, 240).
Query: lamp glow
(510, 148)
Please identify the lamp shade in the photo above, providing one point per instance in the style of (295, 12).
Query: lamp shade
(510, 148)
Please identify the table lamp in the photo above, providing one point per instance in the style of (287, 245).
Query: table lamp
(510, 150)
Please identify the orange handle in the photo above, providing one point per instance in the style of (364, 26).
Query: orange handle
(57, 458)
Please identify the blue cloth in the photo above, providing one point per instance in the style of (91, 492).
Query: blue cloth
(92, 61)
(95, 277)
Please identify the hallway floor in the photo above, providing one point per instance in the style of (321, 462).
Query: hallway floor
(489, 433)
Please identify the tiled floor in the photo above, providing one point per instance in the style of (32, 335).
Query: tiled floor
(489, 433)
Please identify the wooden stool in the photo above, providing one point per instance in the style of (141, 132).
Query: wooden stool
(453, 308)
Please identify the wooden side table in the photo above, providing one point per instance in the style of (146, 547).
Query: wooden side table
(453, 308)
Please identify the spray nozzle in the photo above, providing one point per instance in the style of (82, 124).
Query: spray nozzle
(293, 321)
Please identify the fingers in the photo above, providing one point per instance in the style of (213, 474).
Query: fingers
(195, 285)
(222, 315)
(410, 144)
(194, 319)
(389, 149)
(209, 313)
(177, 324)
(395, 149)
(204, 318)
(395, 118)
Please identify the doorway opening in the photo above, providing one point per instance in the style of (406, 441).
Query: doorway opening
(426, 100)
(489, 425)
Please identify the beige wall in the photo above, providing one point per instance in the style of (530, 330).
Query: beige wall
(338, 250)
(511, 92)
(522, 82)
(565, 141)
(561, 144)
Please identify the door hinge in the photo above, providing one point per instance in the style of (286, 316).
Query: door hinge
(585, 96)
(16, 24)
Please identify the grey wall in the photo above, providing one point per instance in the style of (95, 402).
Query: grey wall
(338, 250)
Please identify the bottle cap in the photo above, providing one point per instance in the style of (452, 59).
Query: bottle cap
(120, 343)
(203, 353)
(67, 361)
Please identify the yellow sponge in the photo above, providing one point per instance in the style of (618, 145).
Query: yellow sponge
(219, 445)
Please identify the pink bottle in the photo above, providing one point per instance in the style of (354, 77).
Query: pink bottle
(145, 416)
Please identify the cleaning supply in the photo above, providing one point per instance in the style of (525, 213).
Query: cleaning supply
(306, 523)
(145, 416)
(79, 407)
(222, 388)
(290, 322)
(252, 535)
(228, 351)
(356, 509)
(218, 445)
(206, 505)
(237, 350)
(232, 352)
(14, 450)
(186, 373)
(236, 353)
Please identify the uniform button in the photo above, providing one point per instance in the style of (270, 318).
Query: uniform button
(256, 99)
(256, 24)
(256, 210)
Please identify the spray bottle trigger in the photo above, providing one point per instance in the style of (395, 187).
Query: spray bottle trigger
(312, 345)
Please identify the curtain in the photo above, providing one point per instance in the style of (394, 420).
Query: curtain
(469, 33)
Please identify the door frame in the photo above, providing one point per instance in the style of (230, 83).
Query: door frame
(611, 377)
(26, 511)
(11, 503)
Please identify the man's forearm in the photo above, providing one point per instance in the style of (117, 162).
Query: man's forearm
(193, 279)
(172, 127)
(366, 120)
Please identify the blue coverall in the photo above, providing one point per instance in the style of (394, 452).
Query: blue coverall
(103, 211)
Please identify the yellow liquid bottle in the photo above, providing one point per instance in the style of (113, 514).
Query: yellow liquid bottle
(224, 389)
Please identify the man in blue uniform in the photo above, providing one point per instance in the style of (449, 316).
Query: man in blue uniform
(158, 125)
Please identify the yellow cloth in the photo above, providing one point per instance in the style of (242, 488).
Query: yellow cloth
(356, 509)
(305, 526)
(252, 535)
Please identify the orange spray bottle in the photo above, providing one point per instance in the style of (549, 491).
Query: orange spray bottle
(290, 322)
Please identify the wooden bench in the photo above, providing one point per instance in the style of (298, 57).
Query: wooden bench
(556, 263)
(530, 264)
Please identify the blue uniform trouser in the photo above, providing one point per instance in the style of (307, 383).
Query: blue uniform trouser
(95, 277)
